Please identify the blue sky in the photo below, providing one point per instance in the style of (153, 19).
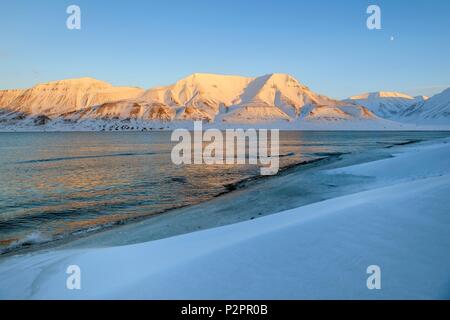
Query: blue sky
(324, 44)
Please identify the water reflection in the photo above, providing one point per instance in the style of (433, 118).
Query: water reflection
(61, 183)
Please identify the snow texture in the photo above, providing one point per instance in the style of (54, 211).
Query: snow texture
(321, 250)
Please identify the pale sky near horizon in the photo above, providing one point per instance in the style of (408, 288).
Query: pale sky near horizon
(324, 44)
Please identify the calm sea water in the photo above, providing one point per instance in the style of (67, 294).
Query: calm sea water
(58, 184)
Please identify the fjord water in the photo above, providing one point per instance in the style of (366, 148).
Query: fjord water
(59, 184)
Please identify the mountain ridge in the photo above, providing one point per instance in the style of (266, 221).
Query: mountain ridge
(211, 98)
(227, 99)
(436, 108)
(386, 104)
(54, 98)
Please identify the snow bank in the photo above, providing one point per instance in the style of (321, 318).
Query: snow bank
(320, 250)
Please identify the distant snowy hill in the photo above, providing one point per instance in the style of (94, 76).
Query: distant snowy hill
(228, 99)
(214, 99)
(389, 105)
(434, 110)
(55, 99)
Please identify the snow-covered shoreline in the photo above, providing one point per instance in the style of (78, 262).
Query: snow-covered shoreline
(320, 250)
(273, 100)
(298, 125)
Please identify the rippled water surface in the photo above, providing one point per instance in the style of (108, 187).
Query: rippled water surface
(55, 184)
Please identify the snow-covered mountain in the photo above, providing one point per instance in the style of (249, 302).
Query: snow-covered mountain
(388, 105)
(434, 110)
(215, 99)
(8, 96)
(228, 99)
(54, 99)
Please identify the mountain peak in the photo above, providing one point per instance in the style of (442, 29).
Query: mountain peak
(381, 94)
(435, 109)
(64, 96)
(446, 91)
(199, 96)
(76, 82)
(209, 81)
(279, 76)
(442, 97)
(386, 104)
(202, 77)
(281, 81)
(421, 98)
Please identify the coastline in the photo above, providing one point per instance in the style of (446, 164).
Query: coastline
(250, 199)
(80, 235)
(360, 125)
(186, 219)
(33, 242)
(310, 245)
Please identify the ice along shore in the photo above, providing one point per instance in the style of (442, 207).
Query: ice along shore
(320, 250)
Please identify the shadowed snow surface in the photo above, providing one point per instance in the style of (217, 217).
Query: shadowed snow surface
(319, 250)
